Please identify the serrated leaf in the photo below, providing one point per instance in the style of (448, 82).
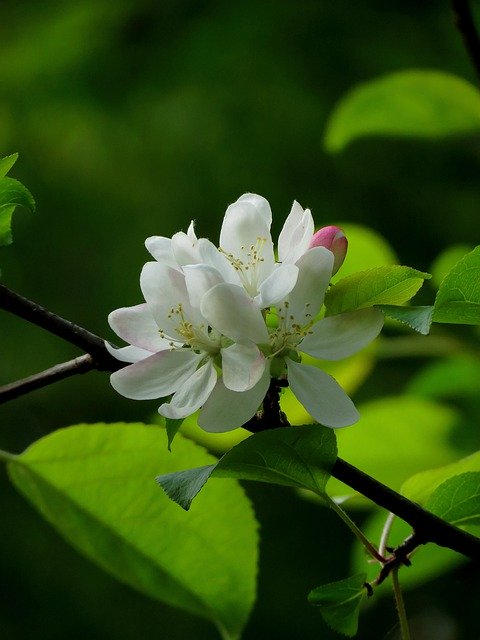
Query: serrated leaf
(391, 285)
(457, 500)
(339, 603)
(95, 484)
(417, 318)
(300, 457)
(12, 194)
(412, 103)
(421, 486)
(458, 298)
(446, 260)
(7, 163)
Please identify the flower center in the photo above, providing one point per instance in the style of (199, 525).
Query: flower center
(247, 264)
(289, 333)
(201, 338)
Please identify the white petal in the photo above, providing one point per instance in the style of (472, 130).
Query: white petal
(244, 229)
(156, 376)
(199, 278)
(261, 205)
(193, 393)
(296, 234)
(211, 256)
(242, 366)
(226, 410)
(321, 395)
(343, 335)
(185, 247)
(315, 270)
(137, 326)
(164, 289)
(127, 354)
(161, 250)
(231, 311)
(277, 286)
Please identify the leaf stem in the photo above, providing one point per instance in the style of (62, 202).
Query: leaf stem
(400, 604)
(382, 545)
(357, 531)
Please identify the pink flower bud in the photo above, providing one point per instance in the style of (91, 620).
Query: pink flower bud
(333, 239)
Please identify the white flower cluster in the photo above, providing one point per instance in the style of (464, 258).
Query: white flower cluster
(202, 332)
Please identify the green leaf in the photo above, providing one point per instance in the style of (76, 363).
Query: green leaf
(7, 163)
(172, 426)
(417, 318)
(458, 298)
(446, 260)
(299, 457)
(457, 500)
(455, 377)
(339, 603)
(411, 103)
(392, 285)
(422, 485)
(12, 194)
(95, 484)
(394, 439)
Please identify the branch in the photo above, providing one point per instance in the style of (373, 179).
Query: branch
(85, 340)
(464, 22)
(44, 378)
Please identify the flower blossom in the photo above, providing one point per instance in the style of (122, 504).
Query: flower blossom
(202, 336)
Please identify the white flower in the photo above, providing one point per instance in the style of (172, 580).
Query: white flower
(175, 350)
(202, 335)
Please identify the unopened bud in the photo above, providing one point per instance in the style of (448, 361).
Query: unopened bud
(333, 239)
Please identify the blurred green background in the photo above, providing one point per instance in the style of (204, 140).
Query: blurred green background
(133, 118)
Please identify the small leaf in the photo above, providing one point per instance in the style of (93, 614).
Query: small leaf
(392, 285)
(458, 298)
(457, 500)
(417, 318)
(7, 163)
(12, 194)
(339, 603)
(422, 485)
(413, 103)
(95, 485)
(172, 426)
(299, 457)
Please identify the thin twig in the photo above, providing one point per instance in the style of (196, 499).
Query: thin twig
(19, 388)
(464, 22)
(51, 322)
(402, 614)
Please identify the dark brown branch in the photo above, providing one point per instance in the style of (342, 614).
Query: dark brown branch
(427, 527)
(85, 340)
(44, 378)
(464, 22)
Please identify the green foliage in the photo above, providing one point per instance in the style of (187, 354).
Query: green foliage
(417, 318)
(458, 298)
(394, 439)
(95, 485)
(413, 103)
(457, 500)
(446, 260)
(384, 285)
(339, 603)
(421, 486)
(300, 457)
(455, 377)
(12, 195)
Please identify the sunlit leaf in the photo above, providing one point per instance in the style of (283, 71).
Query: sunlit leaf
(412, 103)
(391, 285)
(7, 163)
(95, 484)
(446, 260)
(339, 603)
(299, 457)
(458, 298)
(417, 318)
(454, 377)
(457, 500)
(12, 194)
(421, 486)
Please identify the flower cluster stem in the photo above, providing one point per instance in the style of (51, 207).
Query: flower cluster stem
(400, 604)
